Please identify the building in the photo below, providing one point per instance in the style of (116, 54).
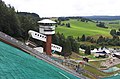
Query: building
(100, 52)
(46, 30)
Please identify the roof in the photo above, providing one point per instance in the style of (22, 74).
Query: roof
(95, 50)
(102, 52)
(117, 53)
(46, 21)
(107, 51)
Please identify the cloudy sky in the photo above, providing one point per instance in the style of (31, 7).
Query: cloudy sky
(48, 8)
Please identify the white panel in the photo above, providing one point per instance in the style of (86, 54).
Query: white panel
(40, 49)
(49, 32)
(47, 21)
(37, 35)
(56, 47)
(47, 29)
(41, 30)
(42, 37)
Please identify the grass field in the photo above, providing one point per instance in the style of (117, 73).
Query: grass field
(113, 26)
(79, 28)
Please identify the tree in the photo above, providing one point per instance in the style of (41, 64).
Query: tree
(68, 25)
(74, 44)
(55, 39)
(82, 19)
(60, 39)
(83, 38)
(67, 48)
(88, 50)
(62, 24)
(75, 47)
(116, 38)
(27, 23)
(83, 46)
(88, 38)
(100, 39)
(78, 38)
(113, 32)
(119, 29)
(101, 24)
(33, 15)
(9, 22)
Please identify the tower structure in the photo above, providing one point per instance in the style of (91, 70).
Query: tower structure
(47, 27)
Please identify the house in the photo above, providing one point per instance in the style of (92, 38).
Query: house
(100, 52)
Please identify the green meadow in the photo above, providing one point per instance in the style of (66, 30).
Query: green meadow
(79, 28)
(113, 26)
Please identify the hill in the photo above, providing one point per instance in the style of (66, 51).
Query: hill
(103, 17)
(114, 24)
(33, 15)
(79, 28)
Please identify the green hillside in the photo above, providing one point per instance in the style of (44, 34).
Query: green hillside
(114, 24)
(79, 28)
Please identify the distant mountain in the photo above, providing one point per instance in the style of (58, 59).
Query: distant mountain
(103, 17)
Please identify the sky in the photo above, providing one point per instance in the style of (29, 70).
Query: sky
(57, 8)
